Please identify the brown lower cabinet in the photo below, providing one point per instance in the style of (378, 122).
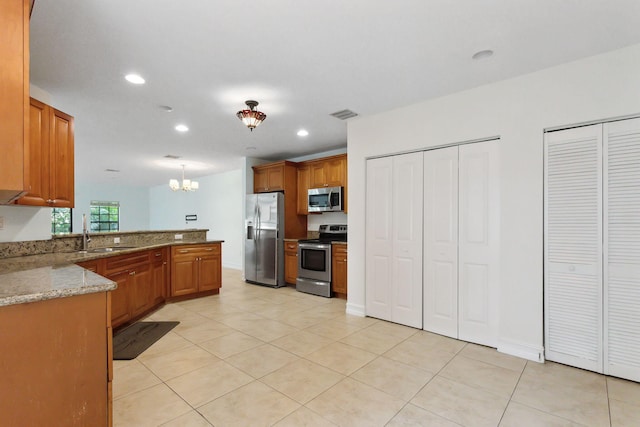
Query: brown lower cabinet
(196, 269)
(290, 262)
(339, 270)
(56, 365)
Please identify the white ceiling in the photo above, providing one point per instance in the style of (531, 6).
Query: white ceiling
(301, 59)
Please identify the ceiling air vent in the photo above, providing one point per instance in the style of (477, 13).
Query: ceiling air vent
(171, 156)
(112, 170)
(344, 114)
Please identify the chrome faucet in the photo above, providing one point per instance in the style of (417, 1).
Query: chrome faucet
(85, 233)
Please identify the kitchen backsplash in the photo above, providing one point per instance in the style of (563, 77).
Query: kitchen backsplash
(70, 243)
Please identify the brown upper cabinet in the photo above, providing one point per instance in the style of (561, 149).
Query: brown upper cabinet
(14, 102)
(328, 172)
(49, 167)
(318, 173)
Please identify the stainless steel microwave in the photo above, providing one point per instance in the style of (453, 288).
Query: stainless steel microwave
(327, 199)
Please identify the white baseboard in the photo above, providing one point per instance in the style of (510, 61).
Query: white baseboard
(233, 266)
(355, 309)
(525, 351)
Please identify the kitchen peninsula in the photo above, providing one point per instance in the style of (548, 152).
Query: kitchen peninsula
(58, 317)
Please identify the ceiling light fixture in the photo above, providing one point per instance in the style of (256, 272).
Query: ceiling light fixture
(181, 128)
(136, 79)
(251, 117)
(303, 132)
(187, 184)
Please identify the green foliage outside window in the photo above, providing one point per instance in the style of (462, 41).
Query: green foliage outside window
(61, 221)
(104, 216)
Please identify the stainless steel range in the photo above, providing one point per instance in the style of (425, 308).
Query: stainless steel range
(314, 260)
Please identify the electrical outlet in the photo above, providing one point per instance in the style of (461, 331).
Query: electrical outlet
(178, 236)
(116, 240)
(1, 223)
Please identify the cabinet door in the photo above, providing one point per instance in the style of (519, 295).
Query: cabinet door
(317, 176)
(184, 275)
(303, 188)
(290, 262)
(37, 156)
(141, 289)
(276, 178)
(260, 180)
(209, 272)
(61, 160)
(14, 87)
(120, 312)
(339, 270)
(335, 171)
(160, 272)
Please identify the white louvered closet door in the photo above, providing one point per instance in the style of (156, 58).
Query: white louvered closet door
(441, 241)
(621, 147)
(573, 247)
(379, 238)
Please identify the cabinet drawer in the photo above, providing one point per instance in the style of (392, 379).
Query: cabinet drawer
(199, 250)
(339, 250)
(124, 262)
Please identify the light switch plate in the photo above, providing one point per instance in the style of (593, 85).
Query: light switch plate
(116, 240)
(178, 236)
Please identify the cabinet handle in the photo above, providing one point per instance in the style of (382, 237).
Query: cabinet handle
(159, 254)
(132, 273)
(49, 201)
(164, 263)
(208, 249)
(183, 251)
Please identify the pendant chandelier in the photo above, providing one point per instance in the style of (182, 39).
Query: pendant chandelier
(251, 117)
(187, 184)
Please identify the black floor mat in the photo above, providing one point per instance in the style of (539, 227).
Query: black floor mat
(133, 340)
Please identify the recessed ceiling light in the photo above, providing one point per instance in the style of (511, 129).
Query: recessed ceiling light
(303, 132)
(482, 54)
(166, 108)
(181, 128)
(136, 79)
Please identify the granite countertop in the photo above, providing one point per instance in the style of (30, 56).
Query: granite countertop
(54, 275)
(46, 283)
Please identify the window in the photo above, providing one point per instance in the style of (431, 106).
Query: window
(61, 221)
(105, 216)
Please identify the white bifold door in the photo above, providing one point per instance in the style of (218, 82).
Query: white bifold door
(462, 241)
(592, 247)
(394, 239)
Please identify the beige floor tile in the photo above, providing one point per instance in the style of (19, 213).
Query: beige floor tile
(239, 320)
(413, 416)
(567, 376)
(179, 362)
(624, 414)
(131, 378)
(342, 358)
(394, 378)
(204, 331)
(304, 417)
(360, 321)
(254, 404)
(302, 343)
(351, 403)
(151, 407)
(431, 341)
(208, 383)
(623, 390)
(302, 380)
(479, 374)
(493, 357)
(304, 319)
(562, 397)
(168, 343)
(266, 329)
(460, 403)
(421, 356)
(374, 339)
(518, 415)
(228, 345)
(334, 329)
(261, 360)
(190, 419)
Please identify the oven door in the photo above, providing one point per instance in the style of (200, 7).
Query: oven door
(314, 261)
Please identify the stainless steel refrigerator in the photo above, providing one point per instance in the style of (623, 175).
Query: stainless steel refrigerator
(264, 239)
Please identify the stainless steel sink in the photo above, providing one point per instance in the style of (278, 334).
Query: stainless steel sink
(109, 249)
